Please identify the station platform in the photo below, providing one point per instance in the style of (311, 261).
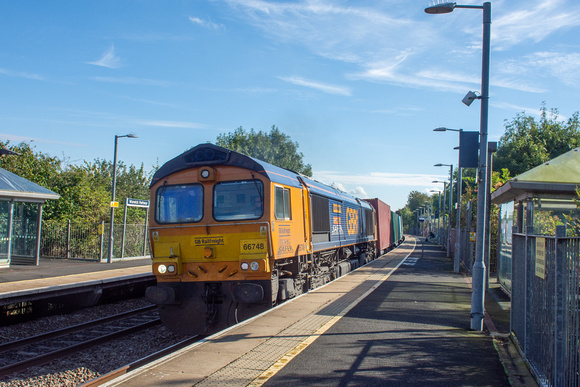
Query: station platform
(402, 319)
(61, 276)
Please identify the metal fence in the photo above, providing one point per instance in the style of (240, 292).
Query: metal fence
(545, 305)
(88, 241)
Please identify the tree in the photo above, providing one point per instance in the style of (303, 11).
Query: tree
(85, 191)
(274, 147)
(527, 143)
(416, 199)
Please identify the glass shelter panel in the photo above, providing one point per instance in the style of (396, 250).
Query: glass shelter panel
(4, 208)
(505, 245)
(24, 229)
(548, 213)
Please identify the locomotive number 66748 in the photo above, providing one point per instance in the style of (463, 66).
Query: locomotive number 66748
(231, 236)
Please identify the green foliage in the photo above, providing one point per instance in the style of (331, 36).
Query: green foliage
(416, 199)
(85, 190)
(528, 143)
(408, 218)
(274, 147)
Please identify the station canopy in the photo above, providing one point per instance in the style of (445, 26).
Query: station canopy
(557, 178)
(14, 187)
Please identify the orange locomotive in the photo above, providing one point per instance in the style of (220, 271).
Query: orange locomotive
(231, 236)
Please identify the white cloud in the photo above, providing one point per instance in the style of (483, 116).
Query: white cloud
(534, 23)
(18, 139)
(172, 124)
(21, 74)
(564, 66)
(377, 179)
(109, 59)
(133, 81)
(205, 23)
(326, 88)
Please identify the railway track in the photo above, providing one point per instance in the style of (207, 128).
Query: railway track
(37, 350)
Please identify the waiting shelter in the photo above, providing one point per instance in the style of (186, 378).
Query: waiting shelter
(535, 202)
(21, 204)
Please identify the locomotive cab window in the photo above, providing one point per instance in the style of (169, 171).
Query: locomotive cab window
(238, 200)
(282, 203)
(179, 203)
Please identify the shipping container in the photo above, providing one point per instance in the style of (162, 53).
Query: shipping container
(383, 211)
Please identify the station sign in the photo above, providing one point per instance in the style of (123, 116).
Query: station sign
(137, 203)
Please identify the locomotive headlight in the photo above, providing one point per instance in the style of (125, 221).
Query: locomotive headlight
(205, 173)
(171, 269)
(254, 265)
(162, 269)
(244, 266)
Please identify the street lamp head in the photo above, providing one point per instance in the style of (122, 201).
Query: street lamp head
(130, 135)
(438, 165)
(441, 8)
(444, 129)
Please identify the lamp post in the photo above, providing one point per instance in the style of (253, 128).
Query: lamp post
(444, 201)
(439, 217)
(450, 205)
(479, 269)
(456, 255)
(110, 255)
(428, 209)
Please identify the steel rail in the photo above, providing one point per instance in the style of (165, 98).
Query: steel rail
(59, 353)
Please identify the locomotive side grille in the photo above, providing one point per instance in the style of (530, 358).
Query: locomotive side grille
(320, 214)
(369, 222)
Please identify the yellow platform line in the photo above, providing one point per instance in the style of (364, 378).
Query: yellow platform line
(281, 363)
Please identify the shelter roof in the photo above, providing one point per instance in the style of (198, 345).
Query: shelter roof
(558, 177)
(15, 187)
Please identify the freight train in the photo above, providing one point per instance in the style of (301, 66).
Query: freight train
(232, 236)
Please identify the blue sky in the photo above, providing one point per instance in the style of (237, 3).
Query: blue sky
(358, 84)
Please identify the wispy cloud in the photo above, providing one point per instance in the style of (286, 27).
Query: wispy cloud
(205, 23)
(109, 59)
(19, 74)
(172, 124)
(18, 139)
(534, 23)
(346, 33)
(324, 87)
(377, 179)
(133, 81)
(564, 66)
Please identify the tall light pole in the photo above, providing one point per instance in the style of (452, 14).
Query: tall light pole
(444, 201)
(439, 208)
(479, 269)
(456, 256)
(450, 205)
(110, 255)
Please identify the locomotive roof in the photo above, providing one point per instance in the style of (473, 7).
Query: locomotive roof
(211, 155)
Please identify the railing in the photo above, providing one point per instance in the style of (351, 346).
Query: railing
(87, 241)
(545, 305)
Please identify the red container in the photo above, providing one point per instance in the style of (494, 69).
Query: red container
(383, 211)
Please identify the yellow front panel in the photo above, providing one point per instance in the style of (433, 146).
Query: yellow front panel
(224, 247)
